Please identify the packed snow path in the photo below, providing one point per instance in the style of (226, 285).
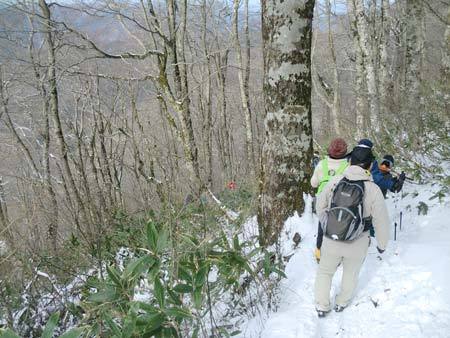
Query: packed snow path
(405, 294)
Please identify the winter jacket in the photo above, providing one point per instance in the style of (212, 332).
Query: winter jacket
(333, 164)
(373, 203)
(384, 180)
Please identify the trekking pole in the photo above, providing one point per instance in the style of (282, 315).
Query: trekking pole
(395, 231)
(401, 216)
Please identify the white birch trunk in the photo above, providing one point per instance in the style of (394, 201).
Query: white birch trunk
(286, 165)
(336, 107)
(384, 84)
(368, 61)
(446, 57)
(413, 55)
(362, 111)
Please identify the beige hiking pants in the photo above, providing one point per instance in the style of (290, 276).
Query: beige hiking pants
(352, 256)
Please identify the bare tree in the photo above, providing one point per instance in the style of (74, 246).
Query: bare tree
(446, 57)
(244, 74)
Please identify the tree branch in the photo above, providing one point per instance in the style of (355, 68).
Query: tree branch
(103, 54)
(433, 11)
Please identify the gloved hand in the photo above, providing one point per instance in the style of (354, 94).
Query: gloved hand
(379, 250)
(317, 255)
(398, 182)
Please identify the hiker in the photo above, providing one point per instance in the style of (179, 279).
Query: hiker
(381, 173)
(383, 178)
(334, 164)
(342, 243)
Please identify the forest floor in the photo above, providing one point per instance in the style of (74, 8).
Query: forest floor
(403, 293)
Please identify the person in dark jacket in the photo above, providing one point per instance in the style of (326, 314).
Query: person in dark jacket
(383, 178)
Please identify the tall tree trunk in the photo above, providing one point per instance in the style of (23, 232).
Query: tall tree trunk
(384, 84)
(336, 106)
(413, 57)
(208, 122)
(182, 104)
(54, 110)
(221, 62)
(286, 165)
(362, 112)
(446, 57)
(243, 74)
(52, 215)
(368, 60)
(5, 230)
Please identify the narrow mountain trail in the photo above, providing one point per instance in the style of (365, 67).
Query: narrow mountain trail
(403, 293)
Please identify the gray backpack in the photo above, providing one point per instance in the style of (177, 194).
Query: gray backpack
(343, 220)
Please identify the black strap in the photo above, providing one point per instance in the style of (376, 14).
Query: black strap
(367, 222)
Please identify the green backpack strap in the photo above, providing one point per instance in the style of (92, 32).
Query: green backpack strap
(326, 176)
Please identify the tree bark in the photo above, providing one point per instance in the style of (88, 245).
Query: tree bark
(368, 61)
(5, 223)
(336, 107)
(446, 57)
(362, 111)
(413, 57)
(243, 74)
(221, 62)
(384, 83)
(54, 109)
(208, 103)
(182, 104)
(286, 164)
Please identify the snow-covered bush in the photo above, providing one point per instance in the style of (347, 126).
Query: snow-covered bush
(421, 151)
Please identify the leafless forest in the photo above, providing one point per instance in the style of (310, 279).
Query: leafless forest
(120, 107)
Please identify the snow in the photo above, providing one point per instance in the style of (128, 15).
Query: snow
(403, 293)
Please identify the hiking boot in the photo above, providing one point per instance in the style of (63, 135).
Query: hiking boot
(339, 308)
(321, 313)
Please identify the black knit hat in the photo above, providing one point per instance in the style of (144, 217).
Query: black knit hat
(361, 156)
(365, 143)
(389, 159)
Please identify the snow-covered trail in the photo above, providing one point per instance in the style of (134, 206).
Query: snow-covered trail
(405, 294)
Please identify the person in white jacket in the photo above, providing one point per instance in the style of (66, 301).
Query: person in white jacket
(350, 254)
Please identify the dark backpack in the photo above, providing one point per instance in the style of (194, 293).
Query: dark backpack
(343, 221)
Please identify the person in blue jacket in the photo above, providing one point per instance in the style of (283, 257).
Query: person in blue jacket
(381, 174)
(382, 177)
